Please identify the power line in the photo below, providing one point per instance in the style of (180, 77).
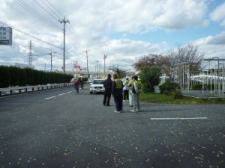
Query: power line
(32, 36)
(44, 9)
(52, 8)
(27, 8)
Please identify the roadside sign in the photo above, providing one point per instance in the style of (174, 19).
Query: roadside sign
(5, 36)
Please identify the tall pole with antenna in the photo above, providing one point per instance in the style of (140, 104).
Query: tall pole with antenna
(64, 21)
(30, 54)
(51, 55)
(105, 56)
(86, 51)
(51, 59)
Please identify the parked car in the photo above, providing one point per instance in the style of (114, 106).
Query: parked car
(97, 86)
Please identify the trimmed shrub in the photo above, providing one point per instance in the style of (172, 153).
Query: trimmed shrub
(169, 87)
(197, 86)
(150, 77)
(13, 76)
(4, 76)
(177, 94)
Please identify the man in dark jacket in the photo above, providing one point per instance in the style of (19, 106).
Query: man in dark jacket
(108, 91)
(117, 90)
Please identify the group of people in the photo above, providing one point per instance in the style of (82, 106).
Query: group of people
(128, 90)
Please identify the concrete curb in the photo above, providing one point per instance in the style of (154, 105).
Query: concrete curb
(26, 89)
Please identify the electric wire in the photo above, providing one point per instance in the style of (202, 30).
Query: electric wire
(30, 35)
(28, 8)
(52, 8)
(44, 9)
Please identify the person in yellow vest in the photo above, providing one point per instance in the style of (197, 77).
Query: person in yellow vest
(136, 90)
(117, 91)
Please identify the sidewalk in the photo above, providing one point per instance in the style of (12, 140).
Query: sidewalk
(202, 94)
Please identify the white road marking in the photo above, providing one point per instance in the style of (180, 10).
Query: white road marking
(61, 94)
(177, 118)
(48, 98)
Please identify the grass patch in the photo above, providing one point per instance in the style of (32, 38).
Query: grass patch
(169, 99)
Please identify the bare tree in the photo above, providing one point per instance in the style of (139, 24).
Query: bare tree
(163, 62)
(120, 72)
(189, 55)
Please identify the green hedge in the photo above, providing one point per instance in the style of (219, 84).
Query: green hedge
(169, 87)
(13, 76)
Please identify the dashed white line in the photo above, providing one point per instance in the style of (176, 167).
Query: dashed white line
(61, 94)
(48, 98)
(177, 118)
(64, 93)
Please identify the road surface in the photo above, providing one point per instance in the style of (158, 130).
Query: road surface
(59, 128)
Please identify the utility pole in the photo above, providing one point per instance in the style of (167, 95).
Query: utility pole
(51, 55)
(64, 22)
(30, 54)
(87, 63)
(105, 56)
(51, 59)
(97, 68)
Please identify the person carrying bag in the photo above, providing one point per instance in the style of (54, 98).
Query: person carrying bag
(136, 89)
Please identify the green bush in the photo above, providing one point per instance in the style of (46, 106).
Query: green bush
(196, 86)
(13, 76)
(169, 87)
(177, 94)
(4, 76)
(150, 77)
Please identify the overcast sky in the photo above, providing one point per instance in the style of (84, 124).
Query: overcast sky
(123, 30)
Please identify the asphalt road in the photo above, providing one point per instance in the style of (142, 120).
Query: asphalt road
(58, 128)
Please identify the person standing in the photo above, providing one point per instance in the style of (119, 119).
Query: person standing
(81, 83)
(130, 84)
(136, 89)
(126, 90)
(108, 91)
(117, 90)
(77, 85)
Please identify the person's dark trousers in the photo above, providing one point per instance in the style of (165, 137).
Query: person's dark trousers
(77, 89)
(107, 96)
(118, 101)
(125, 94)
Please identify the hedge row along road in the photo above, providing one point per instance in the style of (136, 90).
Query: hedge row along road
(13, 76)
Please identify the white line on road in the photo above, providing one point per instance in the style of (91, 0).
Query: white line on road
(48, 98)
(61, 94)
(64, 93)
(69, 92)
(177, 118)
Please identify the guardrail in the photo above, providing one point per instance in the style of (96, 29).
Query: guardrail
(26, 89)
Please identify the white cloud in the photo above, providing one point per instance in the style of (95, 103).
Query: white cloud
(212, 46)
(179, 14)
(92, 20)
(218, 39)
(219, 15)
